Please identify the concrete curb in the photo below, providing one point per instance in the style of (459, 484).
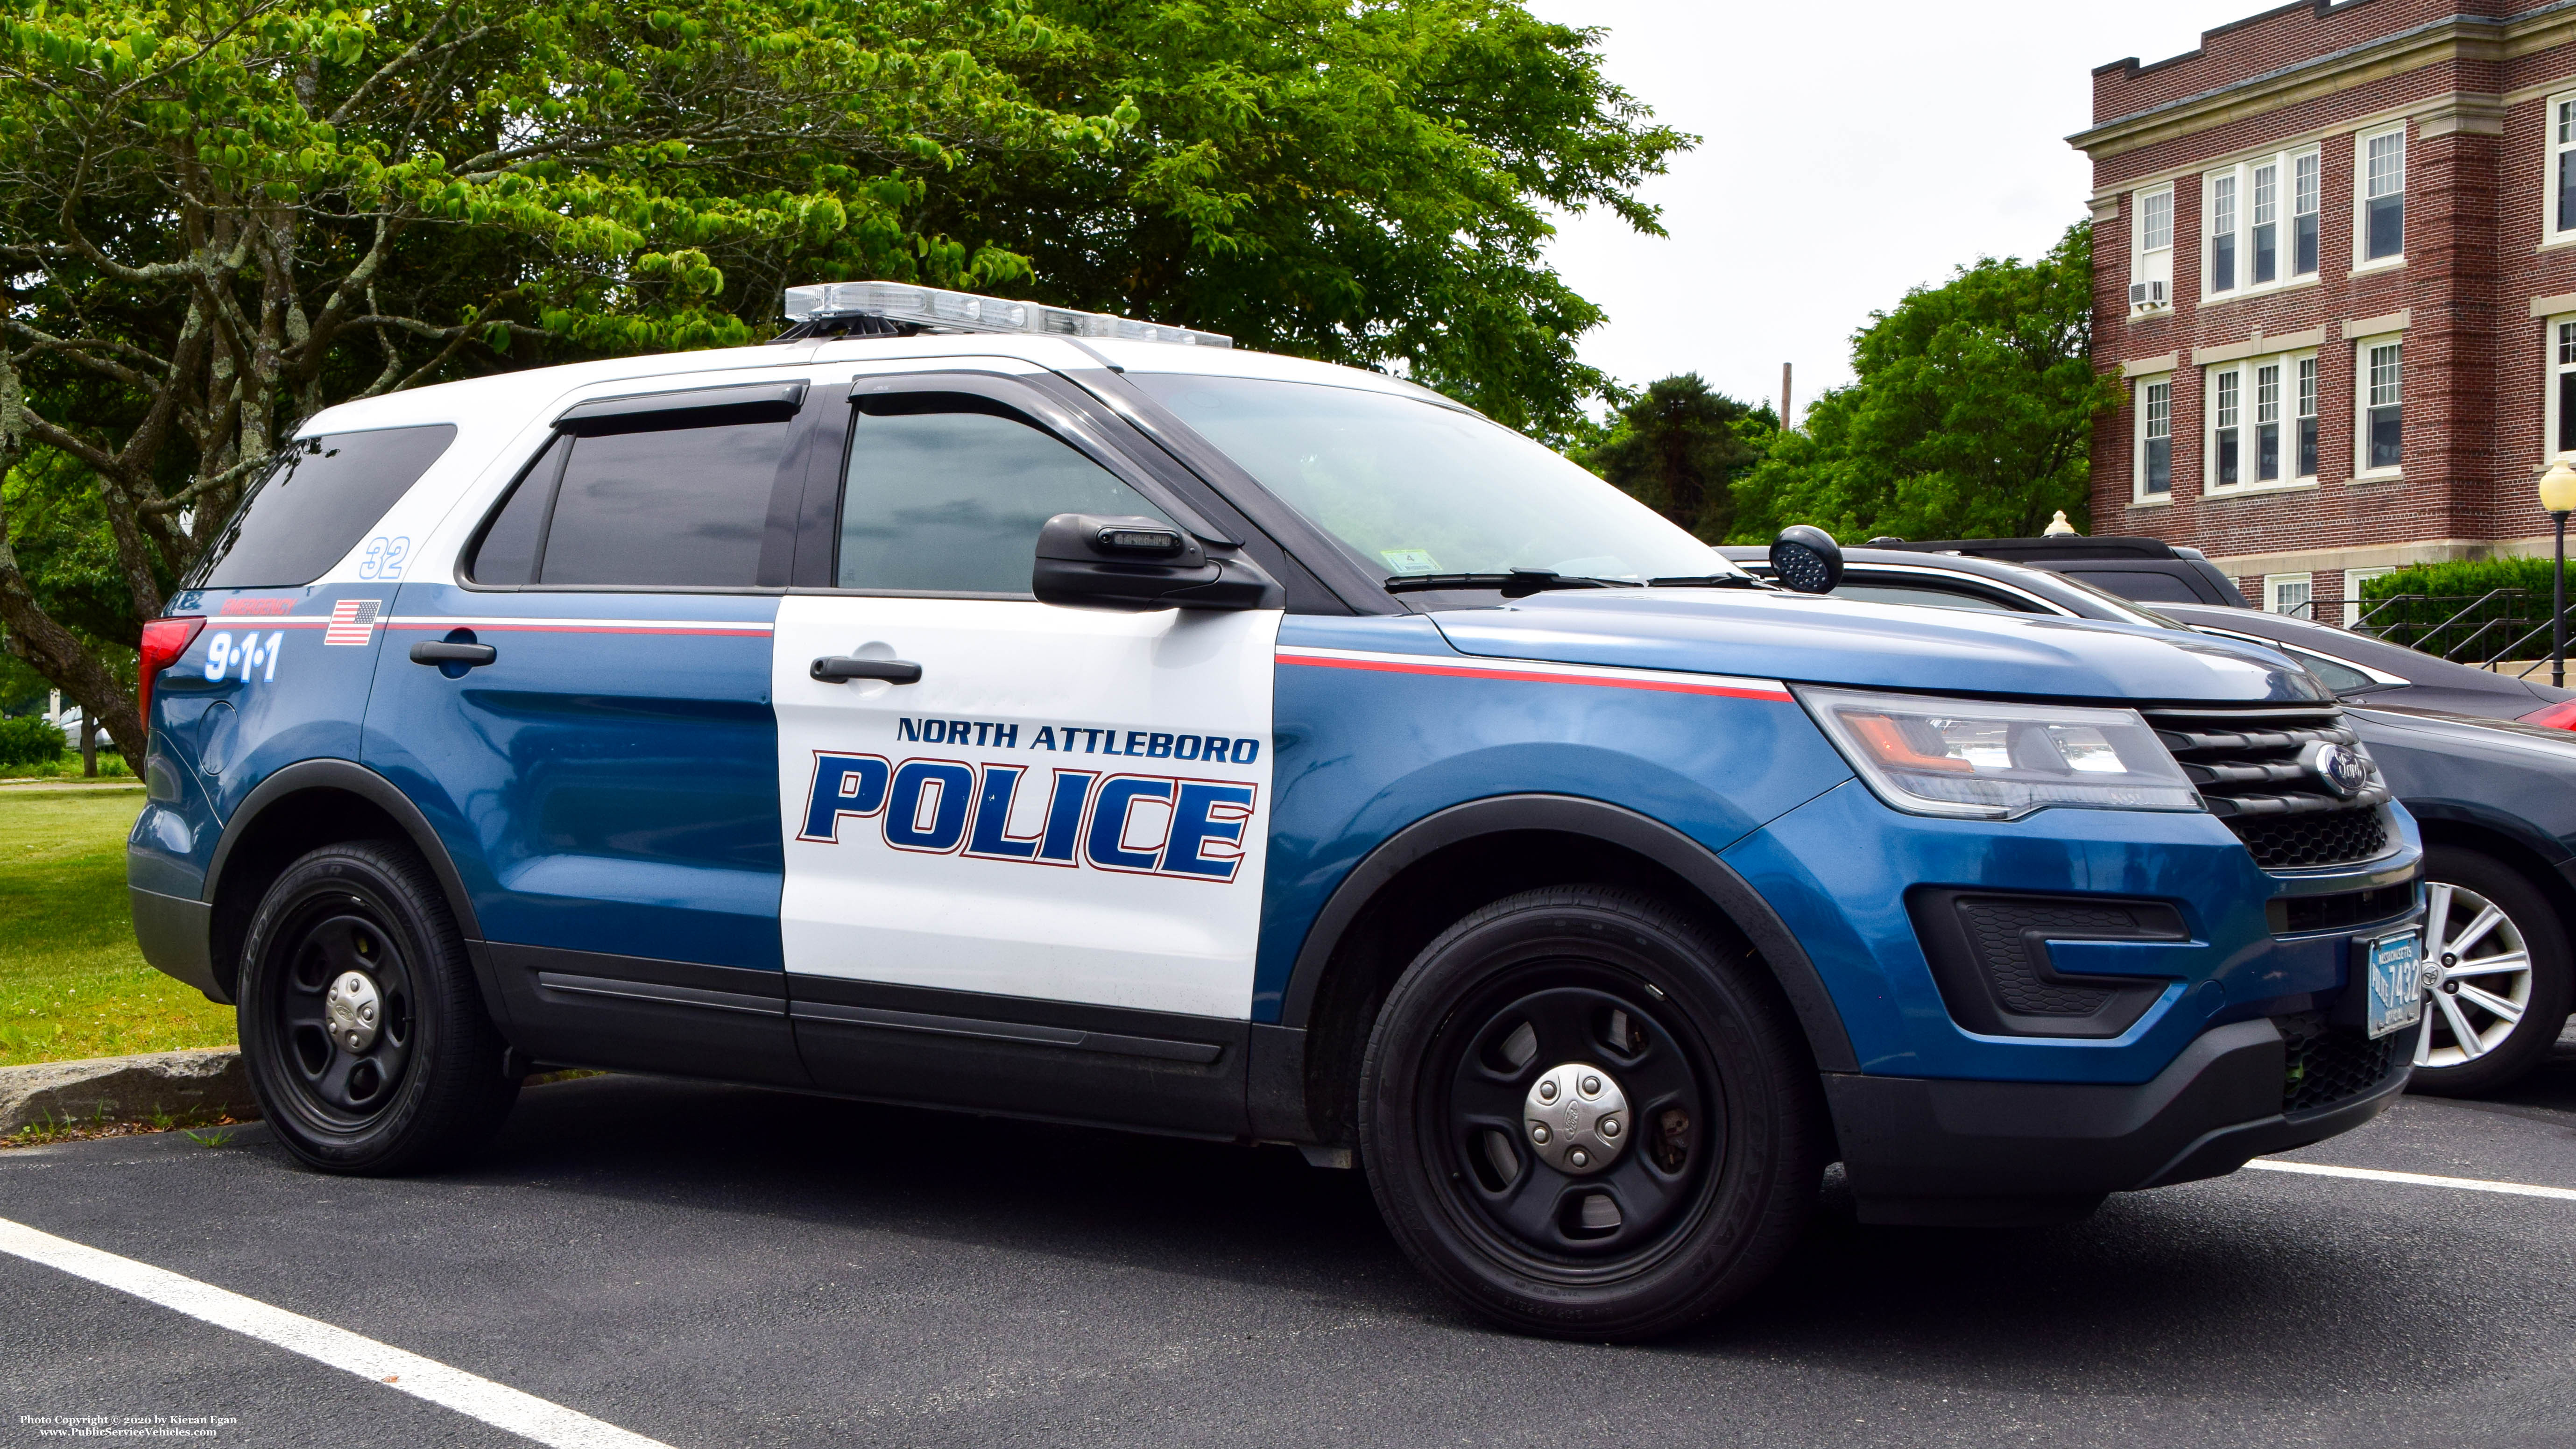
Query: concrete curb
(126, 1089)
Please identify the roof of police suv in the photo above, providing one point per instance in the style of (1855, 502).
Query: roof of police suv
(507, 402)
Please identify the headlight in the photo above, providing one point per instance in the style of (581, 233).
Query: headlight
(1977, 760)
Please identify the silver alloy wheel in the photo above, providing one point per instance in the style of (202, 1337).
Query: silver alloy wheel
(2481, 975)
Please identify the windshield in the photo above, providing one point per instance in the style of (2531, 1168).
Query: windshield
(1414, 488)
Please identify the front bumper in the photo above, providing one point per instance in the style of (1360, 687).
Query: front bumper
(1933, 1151)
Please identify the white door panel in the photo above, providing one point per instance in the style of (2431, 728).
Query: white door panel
(1070, 805)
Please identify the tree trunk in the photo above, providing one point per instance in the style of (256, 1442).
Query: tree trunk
(89, 745)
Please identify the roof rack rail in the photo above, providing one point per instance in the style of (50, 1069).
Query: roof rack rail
(899, 309)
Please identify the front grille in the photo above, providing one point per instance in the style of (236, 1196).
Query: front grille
(2245, 764)
(2295, 915)
(2328, 1065)
(2335, 838)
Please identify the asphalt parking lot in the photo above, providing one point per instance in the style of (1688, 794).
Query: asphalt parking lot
(709, 1266)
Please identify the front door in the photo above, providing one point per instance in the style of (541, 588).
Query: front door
(1030, 880)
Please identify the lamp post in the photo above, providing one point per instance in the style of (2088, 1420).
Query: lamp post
(2557, 499)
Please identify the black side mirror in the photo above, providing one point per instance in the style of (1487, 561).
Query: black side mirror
(1805, 559)
(1086, 561)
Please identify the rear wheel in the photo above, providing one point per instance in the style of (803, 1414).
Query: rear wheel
(2502, 968)
(1586, 1115)
(366, 1039)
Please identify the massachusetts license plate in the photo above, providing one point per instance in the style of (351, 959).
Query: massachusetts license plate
(2396, 983)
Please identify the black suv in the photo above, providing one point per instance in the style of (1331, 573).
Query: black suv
(2148, 570)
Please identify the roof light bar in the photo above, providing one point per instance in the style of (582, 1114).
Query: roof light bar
(948, 311)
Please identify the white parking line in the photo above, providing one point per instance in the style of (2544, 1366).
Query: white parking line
(2373, 1174)
(477, 1397)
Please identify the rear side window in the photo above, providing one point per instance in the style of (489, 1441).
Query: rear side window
(315, 503)
(2146, 588)
(946, 493)
(660, 507)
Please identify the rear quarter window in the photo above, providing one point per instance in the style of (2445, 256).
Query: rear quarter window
(314, 504)
(2138, 584)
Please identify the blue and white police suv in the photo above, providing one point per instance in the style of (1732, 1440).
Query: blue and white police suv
(968, 704)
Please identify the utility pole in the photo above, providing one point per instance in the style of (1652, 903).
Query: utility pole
(1784, 397)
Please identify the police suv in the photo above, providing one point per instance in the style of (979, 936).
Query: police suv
(968, 704)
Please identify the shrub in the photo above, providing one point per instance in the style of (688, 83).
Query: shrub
(2454, 618)
(31, 740)
(2464, 580)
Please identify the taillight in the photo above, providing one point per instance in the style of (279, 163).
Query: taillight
(164, 640)
(2559, 716)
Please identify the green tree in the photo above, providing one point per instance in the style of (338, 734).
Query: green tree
(1366, 184)
(221, 217)
(1971, 416)
(1679, 447)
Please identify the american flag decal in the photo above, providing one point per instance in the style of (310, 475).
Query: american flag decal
(351, 619)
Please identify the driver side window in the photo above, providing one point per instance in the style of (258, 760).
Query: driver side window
(946, 492)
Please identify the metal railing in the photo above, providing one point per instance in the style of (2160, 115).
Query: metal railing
(2486, 630)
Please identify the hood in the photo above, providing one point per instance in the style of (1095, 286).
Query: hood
(1810, 639)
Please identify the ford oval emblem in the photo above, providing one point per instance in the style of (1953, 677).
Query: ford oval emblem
(2342, 772)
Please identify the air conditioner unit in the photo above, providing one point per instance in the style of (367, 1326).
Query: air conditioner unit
(2146, 294)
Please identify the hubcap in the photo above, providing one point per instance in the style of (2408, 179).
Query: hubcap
(355, 1008)
(342, 1009)
(2479, 981)
(1577, 1118)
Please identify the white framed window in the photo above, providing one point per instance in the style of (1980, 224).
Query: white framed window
(2151, 251)
(2153, 469)
(2307, 191)
(2292, 594)
(2220, 248)
(2379, 419)
(2352, 581)
(2304, 419)
(2560, 368)
(2226, 430)
(2560, 205)
(2262, 230)
(2263, 422)
(2379, 208)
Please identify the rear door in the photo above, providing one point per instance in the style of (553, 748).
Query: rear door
(605, 778)
(1032, 879)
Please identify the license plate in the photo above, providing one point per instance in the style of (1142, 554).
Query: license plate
(2396, 983)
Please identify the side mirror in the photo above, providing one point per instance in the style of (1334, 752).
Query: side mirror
(1133, 564)
(1806, 559)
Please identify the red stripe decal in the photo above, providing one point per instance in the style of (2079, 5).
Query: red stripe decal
(1470, 671)
(748, 631)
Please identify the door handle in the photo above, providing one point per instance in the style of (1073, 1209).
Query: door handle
(440, 651)
(841, 668)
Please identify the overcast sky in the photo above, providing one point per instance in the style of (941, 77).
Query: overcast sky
(1849, 150)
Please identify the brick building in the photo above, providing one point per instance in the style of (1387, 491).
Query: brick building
(2335, 269)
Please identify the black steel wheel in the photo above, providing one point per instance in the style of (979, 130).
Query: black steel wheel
(366, 1038)
(1587, 1116)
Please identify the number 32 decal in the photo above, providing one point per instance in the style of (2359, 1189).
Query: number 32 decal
(224, 656)
(383, 558)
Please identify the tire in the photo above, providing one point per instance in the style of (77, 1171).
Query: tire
(1584, 987)
(2479, 995)
(422, 1084)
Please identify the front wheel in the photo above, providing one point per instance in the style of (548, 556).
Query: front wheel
(2502, 974)
(1587, 1115)
(367, 1041)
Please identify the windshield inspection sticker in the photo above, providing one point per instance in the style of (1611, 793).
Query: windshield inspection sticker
(1410, 560)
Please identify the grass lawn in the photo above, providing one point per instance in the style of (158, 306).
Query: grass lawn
(72, 983)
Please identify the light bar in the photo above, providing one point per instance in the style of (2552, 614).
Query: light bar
(965, 312)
